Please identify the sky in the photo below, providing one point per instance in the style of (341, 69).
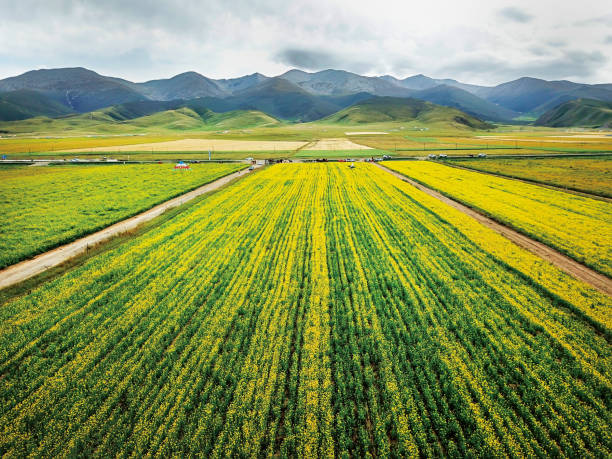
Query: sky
(474, 41)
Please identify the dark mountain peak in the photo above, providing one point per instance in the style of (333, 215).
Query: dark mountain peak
(453, 96)
(50, 78)
(65, 71)
(419, 81)
(294, 73)
(332, 82)
(77, 88)
(277, 84)
(335, 72)
(191, 75)
(233, 85)
(524, 82)
(187, 85)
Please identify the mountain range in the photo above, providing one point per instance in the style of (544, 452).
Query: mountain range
(295, 95)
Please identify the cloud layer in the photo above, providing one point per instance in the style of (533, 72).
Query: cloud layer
(483, 42)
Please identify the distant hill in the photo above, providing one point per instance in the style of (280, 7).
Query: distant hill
(533, 95)
(110, 121)
(447, 92)
(339, 82)
(580, 112)
(188, 85)
(282, 99)
(581, 92)
(187, 119)
(79, 89)
(389, 109)
(295, 95)
(25, 103)
(233, 85)
(458, 98)
(421, 82)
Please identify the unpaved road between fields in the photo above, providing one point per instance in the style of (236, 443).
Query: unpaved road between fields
(28, 268)
(566, 264)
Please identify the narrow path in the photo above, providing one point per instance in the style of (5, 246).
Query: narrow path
(566, 264)
(28, 268)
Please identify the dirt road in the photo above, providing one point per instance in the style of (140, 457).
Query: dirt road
(29, 268)
(566, 264)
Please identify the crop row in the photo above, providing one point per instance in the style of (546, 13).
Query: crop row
(309, 310)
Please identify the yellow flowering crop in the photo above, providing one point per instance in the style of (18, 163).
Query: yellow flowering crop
(309, 310)
(575, 225)
(592, 175)
(43, 207)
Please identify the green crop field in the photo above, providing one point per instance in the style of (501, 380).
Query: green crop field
(577, 226)
(309, 310)
(43, 207)
(591, 175)
(36, 138)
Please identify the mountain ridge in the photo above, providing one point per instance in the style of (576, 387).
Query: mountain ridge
(315, 94)
(579, 112)
(381, 109)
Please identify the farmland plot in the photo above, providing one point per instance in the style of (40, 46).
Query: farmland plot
(43, 207)
(309, 310)
(591, 175)
(215, 145)
(578, 226)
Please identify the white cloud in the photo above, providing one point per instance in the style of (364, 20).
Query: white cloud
(483, 42)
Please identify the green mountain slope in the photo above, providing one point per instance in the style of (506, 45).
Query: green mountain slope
(25, 103)
(78, 89)
(188, 119)
(463, 100)
(579, 112)
(390, 109)
(105, 121)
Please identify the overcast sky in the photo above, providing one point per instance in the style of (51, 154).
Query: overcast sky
(481, 41)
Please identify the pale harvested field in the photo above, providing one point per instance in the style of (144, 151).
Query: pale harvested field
(586, 136)
(201, 145)
(551, 139)
(366, 133)
(335, 144)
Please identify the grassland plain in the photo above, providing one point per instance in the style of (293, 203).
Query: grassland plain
(578, 226)
(309, 310)
(402, 139)
(591, 175)
(43, 207)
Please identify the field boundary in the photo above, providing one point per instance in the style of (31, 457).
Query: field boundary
(26, 269)
(569, 190)
(561, 261)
